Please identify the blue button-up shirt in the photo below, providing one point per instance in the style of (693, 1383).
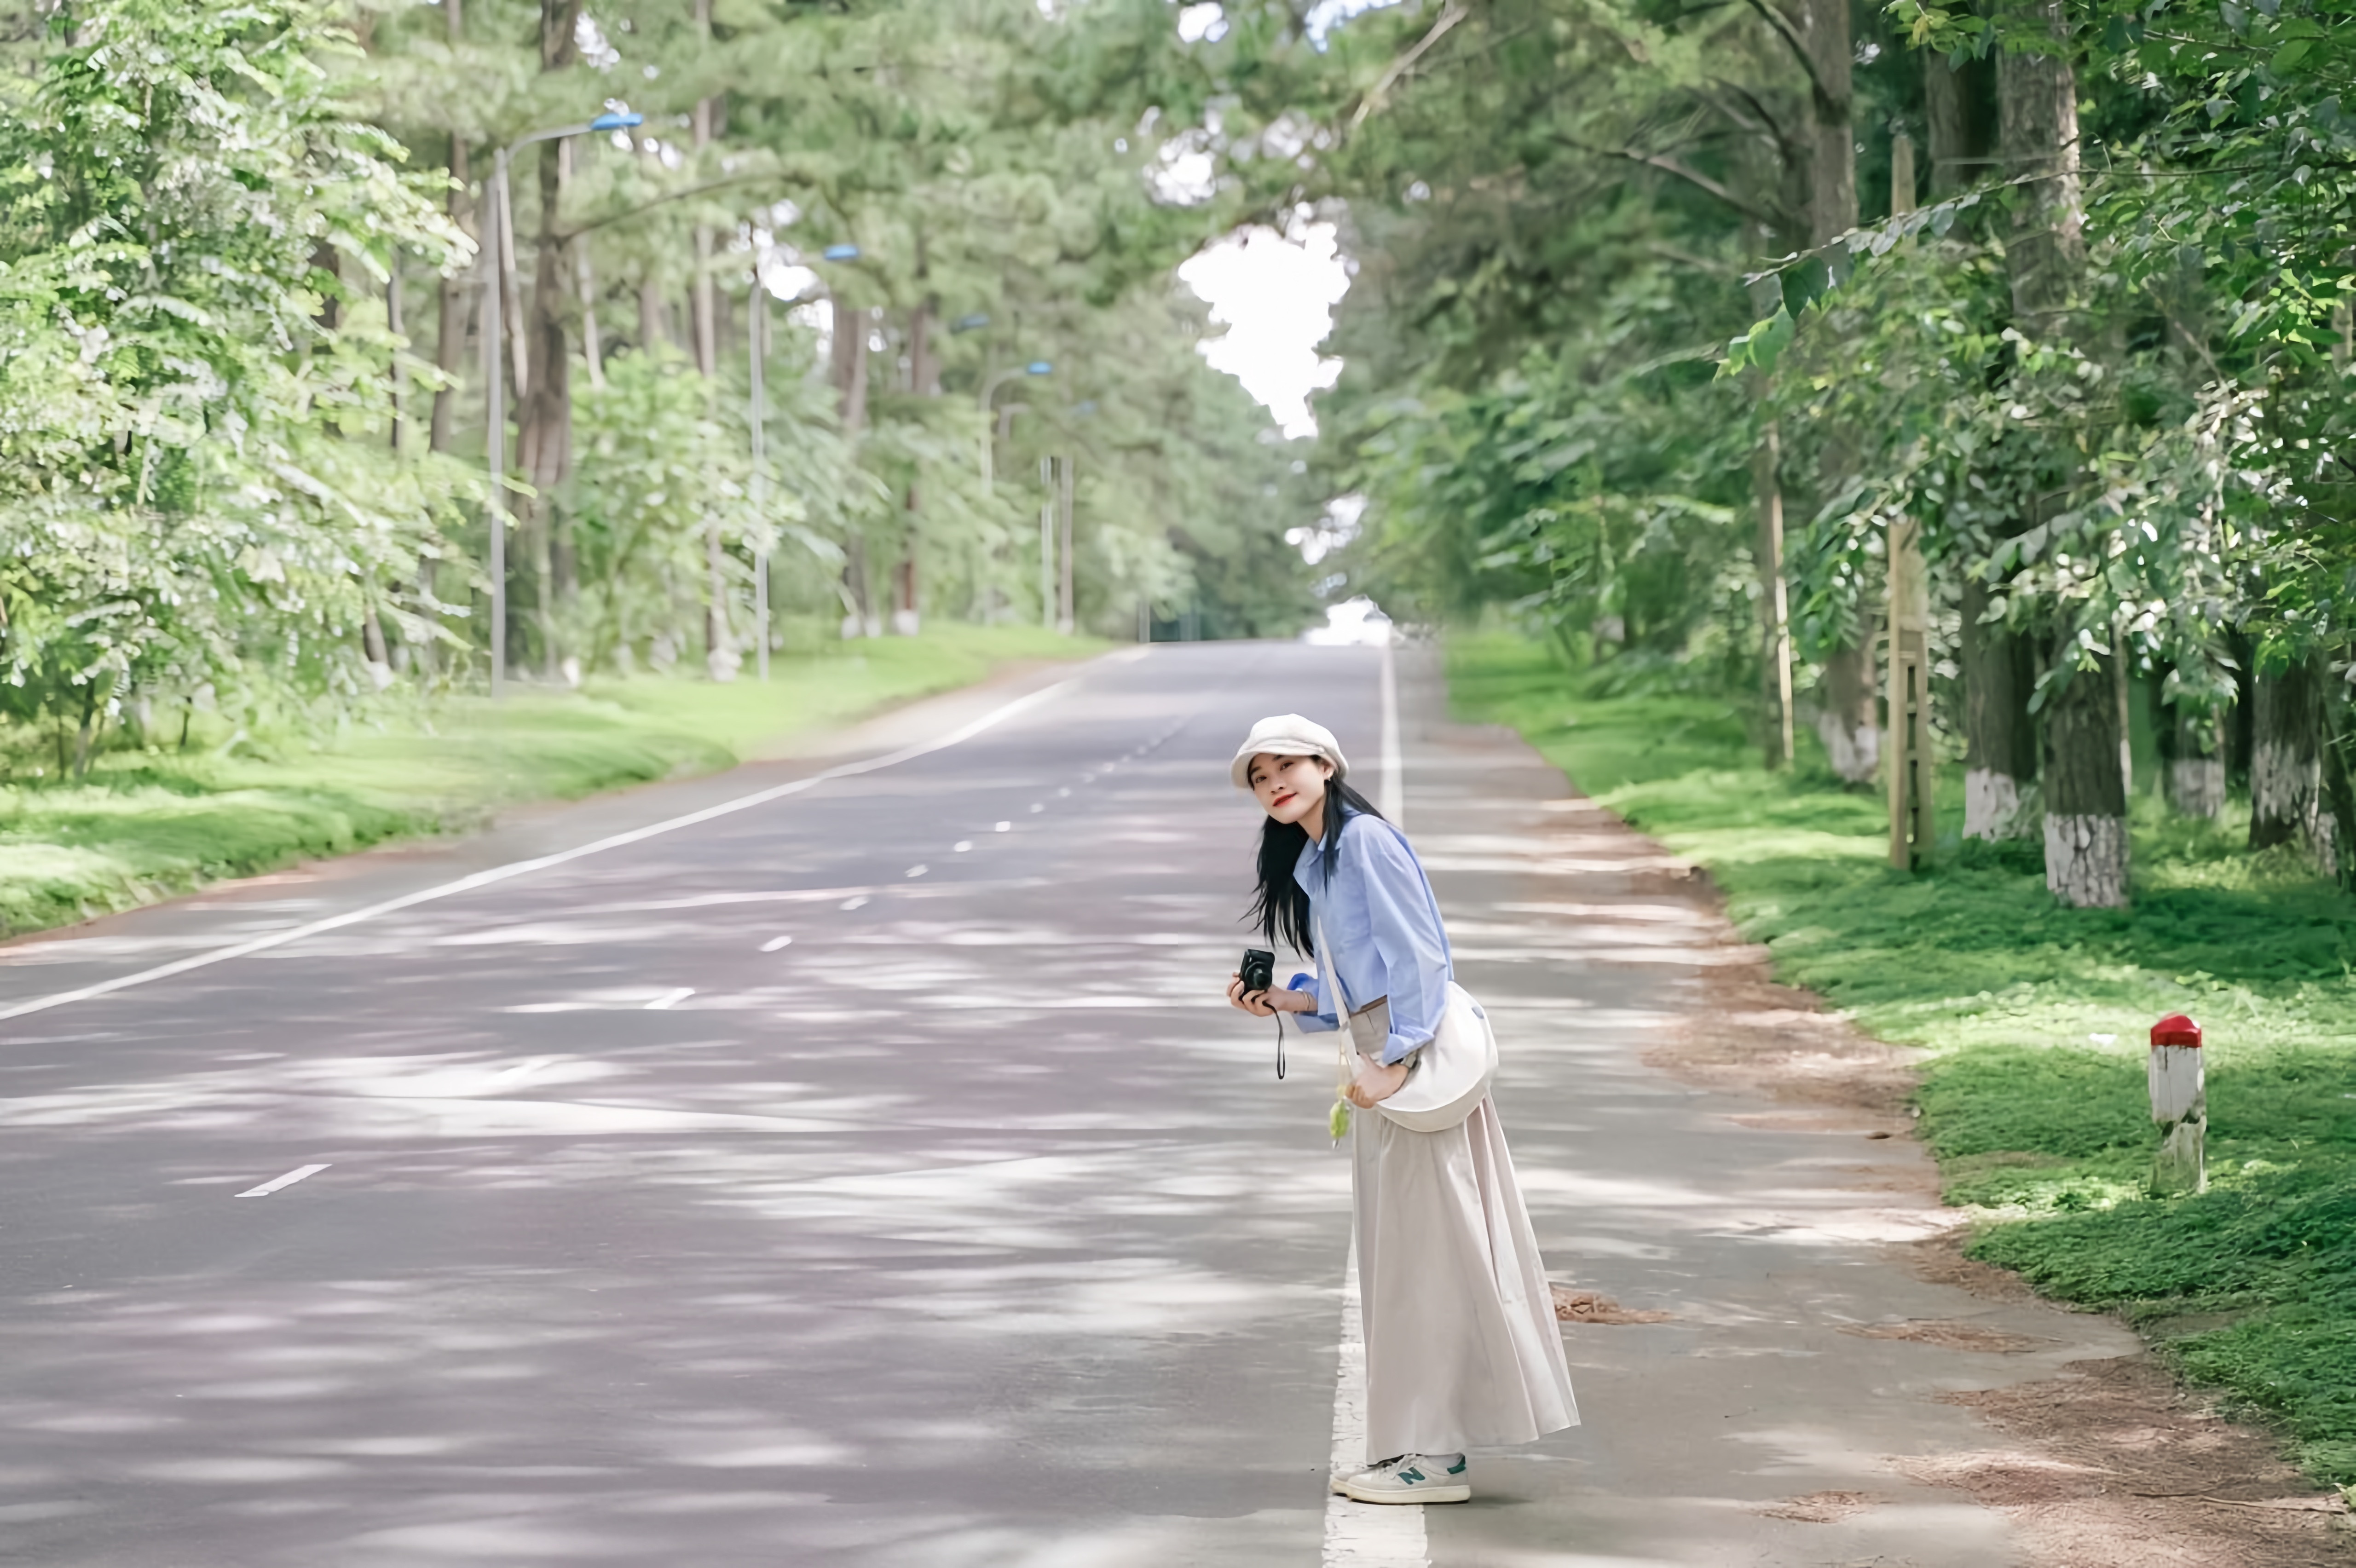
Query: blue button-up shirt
(1381, 928)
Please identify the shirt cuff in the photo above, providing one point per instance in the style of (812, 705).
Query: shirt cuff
(1398, 1048)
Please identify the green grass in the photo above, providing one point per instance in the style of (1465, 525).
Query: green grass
(149, 823)
(2035, 1018)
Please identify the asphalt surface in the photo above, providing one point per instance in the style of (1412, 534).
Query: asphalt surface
(967, 1227)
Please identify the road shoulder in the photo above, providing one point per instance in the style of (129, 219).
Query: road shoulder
(1779, 1352)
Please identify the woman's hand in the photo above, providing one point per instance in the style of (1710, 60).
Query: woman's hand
(1268, 1004)
(1375, 1083)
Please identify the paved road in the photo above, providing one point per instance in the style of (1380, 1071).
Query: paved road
(874, 1176)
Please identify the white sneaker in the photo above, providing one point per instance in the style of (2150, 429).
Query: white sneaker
(1417, 1478)
(1341, 1479)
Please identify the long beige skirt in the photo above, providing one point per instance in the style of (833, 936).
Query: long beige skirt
(1462, 1347)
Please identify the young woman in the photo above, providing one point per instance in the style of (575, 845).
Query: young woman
(1463, 1349)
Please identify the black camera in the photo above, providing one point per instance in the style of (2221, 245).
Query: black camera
(1258, 970)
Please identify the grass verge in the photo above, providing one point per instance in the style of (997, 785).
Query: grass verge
(150, 823)
(2035, 1015)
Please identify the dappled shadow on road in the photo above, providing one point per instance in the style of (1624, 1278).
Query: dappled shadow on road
(964, 1227)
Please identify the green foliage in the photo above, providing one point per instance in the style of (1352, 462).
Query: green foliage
(2033, 1016)
(241, 420)
(177, 509)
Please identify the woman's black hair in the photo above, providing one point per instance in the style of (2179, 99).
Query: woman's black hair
(1279, 906)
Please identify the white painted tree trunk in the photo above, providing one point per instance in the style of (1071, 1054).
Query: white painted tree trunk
(2179, 1105)
(1854, 750)
(2286, 783)
(2196, 785)
(2287, 791)
(1992, 804)
(2086, 860)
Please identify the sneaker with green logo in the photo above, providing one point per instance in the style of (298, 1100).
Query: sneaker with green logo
(1417, 1478)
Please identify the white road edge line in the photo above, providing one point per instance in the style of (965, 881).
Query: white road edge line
(538, 863)
(1369, 1535)
(289, 1179)
(1364, 1535)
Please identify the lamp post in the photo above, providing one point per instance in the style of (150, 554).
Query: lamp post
(988, 436)
(757, 350)
(495, 418)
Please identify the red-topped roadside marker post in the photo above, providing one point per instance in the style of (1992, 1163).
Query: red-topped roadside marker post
(2180, 1104)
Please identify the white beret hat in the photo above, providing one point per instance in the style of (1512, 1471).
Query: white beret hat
(1287, 735)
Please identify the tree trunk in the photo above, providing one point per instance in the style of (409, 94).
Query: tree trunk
(651, 312)
(457, 298)
(2339, 787)
(848, 367)
(395, 325)
(2196, 762)
(1067, 615)
(88, 733)
(2241, 721)
(720, 657)
(1848, 717)
(861, 620)
(2287, 804)
(703, 328)
(924, 366)
(907, 618)
(2085, 800)
(1823, 26)
(378, 658)
(2038, 109)
(1999, 737)
(1999, 664)
(1848, 721)
(545, 435)
(592, 349)
(458, 308)
(923, 381)
(1958, 106)
(2045, 254)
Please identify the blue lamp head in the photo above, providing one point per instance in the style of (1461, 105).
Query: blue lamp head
(1039, 368)
(616, 121)
(840, 252)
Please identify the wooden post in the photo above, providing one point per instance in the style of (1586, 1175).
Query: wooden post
(2180, 1104)
(1912, 770)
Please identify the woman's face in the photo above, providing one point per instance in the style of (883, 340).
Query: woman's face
(1288, 788)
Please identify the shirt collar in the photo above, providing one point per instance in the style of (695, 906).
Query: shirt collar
(1313, 857)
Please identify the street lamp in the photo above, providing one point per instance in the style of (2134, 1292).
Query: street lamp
(990, 391)
(495, 401)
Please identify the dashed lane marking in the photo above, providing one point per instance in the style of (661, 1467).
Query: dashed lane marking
(514, 868)
(289, 1179)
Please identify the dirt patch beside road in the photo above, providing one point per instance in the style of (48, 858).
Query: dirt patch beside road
(2111, 1465)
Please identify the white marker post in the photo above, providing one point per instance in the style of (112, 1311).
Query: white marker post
(2180, 1104)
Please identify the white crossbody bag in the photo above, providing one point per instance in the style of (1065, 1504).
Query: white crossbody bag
(1447, 1075)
